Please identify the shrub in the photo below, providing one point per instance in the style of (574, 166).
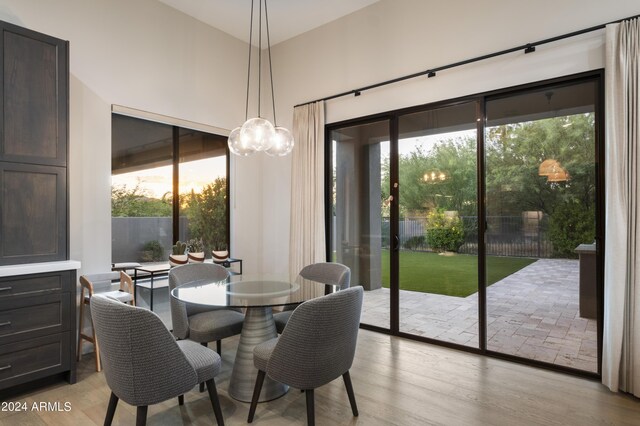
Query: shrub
(152, 251)
(444, 233)
(570, 225)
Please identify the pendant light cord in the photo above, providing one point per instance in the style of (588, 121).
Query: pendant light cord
(246, 105)
(273, 98)
(259, 55)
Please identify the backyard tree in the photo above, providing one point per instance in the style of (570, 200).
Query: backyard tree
(513, 154)
(444, 177)
(135, 202)
(207, 213)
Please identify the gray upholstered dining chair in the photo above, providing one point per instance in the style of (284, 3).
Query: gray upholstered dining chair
(202, 324)
(199, 323)
(143, 363)
(316, 347)
(324, 272)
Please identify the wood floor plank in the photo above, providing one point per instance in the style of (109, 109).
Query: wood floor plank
(396, 382)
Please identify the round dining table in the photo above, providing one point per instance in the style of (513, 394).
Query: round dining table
(257, 295)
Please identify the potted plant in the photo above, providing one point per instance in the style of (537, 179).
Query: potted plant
(195, 250)
(220, 252)
(178, 256)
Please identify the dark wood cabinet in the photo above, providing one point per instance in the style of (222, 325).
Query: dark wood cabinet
(37, 307)
(33, 147)
(37, 327)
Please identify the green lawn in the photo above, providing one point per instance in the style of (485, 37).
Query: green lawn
(449, 275)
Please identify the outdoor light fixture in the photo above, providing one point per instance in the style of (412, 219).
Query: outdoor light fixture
(434, 176)
(553, 170)
(258, 134)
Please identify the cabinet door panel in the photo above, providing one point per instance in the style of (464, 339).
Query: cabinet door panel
(33, 222)
(34, 97)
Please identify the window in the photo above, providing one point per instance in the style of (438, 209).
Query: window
(168, 183)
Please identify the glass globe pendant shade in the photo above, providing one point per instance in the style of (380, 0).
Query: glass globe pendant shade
(238, 145)
(282, 143)
(259, 133)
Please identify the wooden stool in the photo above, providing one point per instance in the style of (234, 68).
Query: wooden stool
(124, 295)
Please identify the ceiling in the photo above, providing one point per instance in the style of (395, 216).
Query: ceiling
(287, 18)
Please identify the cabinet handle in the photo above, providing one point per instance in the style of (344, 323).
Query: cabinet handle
(6, 367)
(3, 324)
(5, 288)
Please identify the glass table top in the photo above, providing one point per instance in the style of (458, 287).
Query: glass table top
(248, 291)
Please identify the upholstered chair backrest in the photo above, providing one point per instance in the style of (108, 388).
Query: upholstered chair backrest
(319, 342)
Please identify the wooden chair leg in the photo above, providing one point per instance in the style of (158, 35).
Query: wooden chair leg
(96, 348)
(111, 410)
(256, 395)
(80, 325)
(215, 401)
(180, 399)
(352, 397)
(141, 416)
(311, 417)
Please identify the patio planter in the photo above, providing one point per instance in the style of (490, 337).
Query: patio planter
(197, 257)
(178, 259)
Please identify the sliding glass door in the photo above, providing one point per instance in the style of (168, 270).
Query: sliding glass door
(360, 208)
(541, 187)
(474, 223)
(437, 227)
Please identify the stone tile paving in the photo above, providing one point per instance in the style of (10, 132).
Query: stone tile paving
(533, 313)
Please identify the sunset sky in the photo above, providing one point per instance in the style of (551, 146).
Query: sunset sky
(193, 175)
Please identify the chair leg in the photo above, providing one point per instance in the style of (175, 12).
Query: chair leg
(80, 324)
(215, 401)
(256, 395)
(111, 410)
(180, 399)
(96, 348)
(219, 347)
(311, 417)
(202, 384)
(352, 396)
(141, 416)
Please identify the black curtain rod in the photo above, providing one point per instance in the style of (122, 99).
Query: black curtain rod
(528, 48)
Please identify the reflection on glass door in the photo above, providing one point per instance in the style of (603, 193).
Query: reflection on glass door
(541, 208)
(438, 247)
(360, 214)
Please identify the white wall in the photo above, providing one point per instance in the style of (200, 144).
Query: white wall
(145, 55)
(398, 37)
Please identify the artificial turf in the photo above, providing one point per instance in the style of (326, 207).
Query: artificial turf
(455, 275)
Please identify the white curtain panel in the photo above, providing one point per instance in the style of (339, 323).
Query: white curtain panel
(621, 345)
(307, 237)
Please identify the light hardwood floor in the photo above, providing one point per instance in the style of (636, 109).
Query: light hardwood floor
(396, 381)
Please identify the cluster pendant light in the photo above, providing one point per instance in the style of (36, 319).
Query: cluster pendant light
(258, 134)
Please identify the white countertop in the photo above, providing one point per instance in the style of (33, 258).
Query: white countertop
(37, 268)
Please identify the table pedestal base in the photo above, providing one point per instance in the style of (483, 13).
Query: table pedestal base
(258, 327)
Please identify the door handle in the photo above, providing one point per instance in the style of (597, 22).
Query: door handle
(6, 367)
(397, 245)
(4, 324)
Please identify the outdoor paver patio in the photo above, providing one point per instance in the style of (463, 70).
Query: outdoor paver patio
(533, 313)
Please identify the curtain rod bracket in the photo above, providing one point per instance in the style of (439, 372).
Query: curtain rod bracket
(431, 74)
(356, 93)
(529, 49)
